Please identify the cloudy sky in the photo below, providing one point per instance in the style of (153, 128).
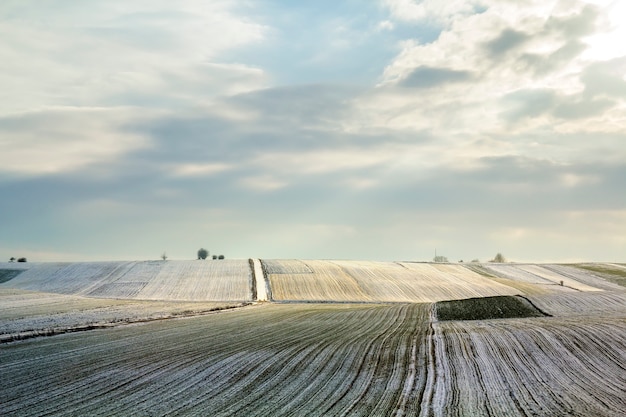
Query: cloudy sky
(353, 129)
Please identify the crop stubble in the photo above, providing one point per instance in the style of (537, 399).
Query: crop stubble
(542, 366)
(363, 281)
(329, 359)
(273, 359)
(223, 280)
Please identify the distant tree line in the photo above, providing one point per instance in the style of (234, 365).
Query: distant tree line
(203, 254)
(499, 258)
(18, 259)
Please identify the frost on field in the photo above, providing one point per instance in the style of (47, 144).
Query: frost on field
(29, 313)
(269, 360)
(378, 281)
(538, 366)
(313, 281)
(286, 266)
(570, 279)
(379, 350)
(587, 277)
(227, 280)
(605, 303)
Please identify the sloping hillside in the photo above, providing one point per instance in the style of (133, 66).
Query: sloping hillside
(368, 281)
(344, 338)
(224, 280)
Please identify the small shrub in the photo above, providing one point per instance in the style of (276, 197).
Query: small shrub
(498, 259)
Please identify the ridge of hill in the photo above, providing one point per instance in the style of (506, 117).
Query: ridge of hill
(237, 280)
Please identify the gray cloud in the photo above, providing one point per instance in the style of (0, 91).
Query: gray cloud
(596, 99)
(605, 78)
(566, 31)
(542, 64)
(578, 109)
(528, 103)
(507, 41)
(431, 77)
(575, 25)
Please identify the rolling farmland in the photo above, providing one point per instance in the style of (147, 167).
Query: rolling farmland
(535, 366)
(341, 338)
(26, 314)
(377, 282)
(226, 280)
(268, 360)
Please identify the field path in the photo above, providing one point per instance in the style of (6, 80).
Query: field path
(261, 289)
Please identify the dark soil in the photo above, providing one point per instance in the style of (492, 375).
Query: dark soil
(485, 308)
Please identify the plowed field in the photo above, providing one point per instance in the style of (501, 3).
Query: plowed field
(541, 366)
(268, 360)
(377, 282)
(345, 338)
(224, 280)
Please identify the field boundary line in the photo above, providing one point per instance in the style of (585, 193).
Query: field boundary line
(55, 331)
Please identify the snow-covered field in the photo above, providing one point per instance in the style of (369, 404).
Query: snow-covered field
(366, 281)
(26, 314)
(268, 360)
(540, 366)
(388, 355)
(223, 280)
(550, 275)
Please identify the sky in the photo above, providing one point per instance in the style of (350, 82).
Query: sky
(352, 129)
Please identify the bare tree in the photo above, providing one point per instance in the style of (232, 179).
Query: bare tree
(164, 256)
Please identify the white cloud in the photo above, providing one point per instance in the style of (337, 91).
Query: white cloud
(515, 68)
(485, 133)
(609, 43)
(198, 170)
(66, 139)
(572, 179)
(263, 183)
(323, 161)
(440, 11)
(86, 53)
(385, 25)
